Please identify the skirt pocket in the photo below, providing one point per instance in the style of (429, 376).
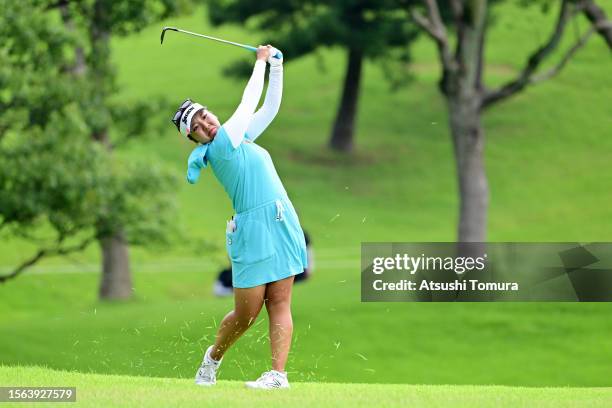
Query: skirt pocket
(229, 243)
(250, 243)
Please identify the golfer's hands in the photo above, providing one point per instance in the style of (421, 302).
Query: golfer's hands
(273, 61)
(263, 53)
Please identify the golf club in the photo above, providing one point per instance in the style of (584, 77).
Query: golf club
(278, 55)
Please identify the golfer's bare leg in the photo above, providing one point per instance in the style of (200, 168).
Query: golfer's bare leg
(278, 304)
(247, 304)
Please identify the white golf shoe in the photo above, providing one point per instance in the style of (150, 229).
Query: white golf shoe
(207, 373)
(270, 380)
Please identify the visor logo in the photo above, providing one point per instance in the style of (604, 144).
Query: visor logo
(187, 114)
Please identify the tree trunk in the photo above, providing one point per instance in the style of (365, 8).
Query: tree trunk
(116, 282)
(116, 278)
(344, 125)
(468, 142)
(78, 69)
(464, 98)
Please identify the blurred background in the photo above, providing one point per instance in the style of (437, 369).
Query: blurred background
(108, 257)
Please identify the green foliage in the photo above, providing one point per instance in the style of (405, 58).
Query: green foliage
(138, 120)
(139, 200)
(54, 174)
(58, 177)
(123, 17)
(33, 56)
(301, 27)
(56, 84)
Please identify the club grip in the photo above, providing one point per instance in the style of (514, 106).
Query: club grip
(279, 55)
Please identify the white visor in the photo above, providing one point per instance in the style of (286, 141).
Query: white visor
(185, 122)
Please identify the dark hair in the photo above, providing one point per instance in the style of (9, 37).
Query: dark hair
(176, 119)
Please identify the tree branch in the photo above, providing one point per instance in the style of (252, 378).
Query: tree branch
(568, 55)
(534, 61)
(457, 9)
(424, 23)
(597, 17)
(433, 25)
(46, 252)
(60, 3)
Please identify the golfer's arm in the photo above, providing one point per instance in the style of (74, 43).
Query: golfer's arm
(264, 116)
(237, 125)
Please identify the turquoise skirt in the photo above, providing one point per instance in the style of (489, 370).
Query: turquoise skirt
(266, 245)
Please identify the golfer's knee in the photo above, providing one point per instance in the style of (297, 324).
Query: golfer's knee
(246, 318)
(278, 305)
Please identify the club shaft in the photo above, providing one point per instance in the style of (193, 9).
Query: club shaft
(278, 55)
(248, 47)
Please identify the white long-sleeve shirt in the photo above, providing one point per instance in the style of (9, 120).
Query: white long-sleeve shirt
(246, 123)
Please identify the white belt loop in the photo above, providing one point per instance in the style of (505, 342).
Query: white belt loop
(279, 210)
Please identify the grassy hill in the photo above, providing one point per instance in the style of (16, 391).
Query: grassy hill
(547, 158)
(95, 390)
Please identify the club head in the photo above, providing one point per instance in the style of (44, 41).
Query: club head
(163, 33)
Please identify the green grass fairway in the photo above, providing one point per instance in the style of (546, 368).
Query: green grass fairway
(95, 390)
(55, 320)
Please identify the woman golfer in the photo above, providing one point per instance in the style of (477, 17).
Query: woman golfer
(264, 239)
